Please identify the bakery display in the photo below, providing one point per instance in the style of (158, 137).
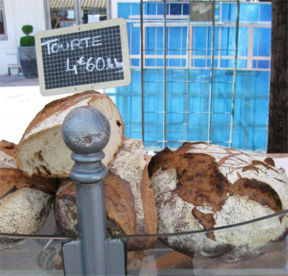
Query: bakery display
(201, 186)
(42, 150)
(198, 187)
(129, 200)
(24, 201)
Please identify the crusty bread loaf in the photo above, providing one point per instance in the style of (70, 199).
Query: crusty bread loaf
(201, 186)
(42, 150)
(129, 201)
(7, 150)
(24, 202)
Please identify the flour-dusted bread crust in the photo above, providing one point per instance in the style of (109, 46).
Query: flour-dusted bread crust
(129, 200)
(24, 202)
(130, 167)
(42, 150)
(7, 150)
(201, 186)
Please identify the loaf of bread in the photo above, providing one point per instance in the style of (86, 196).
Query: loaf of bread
(7, 150)
(42, 150)
(129, 201)
(24, 202)
(201, 186)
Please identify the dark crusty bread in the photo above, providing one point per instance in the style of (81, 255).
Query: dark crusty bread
(129, 201)
(42, 150)
(24, 202)
(201, 186)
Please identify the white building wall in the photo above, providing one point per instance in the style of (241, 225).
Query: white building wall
(18, 13)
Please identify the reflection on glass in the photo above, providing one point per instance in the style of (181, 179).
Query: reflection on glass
(242, 252)
(1, 23)
(255, 248)
(1, 19)
(31, 256)
(62, 13)
(93, 11)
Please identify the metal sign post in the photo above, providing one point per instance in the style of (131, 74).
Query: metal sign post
(86, 132)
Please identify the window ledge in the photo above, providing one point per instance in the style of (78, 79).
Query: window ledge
(3, 37)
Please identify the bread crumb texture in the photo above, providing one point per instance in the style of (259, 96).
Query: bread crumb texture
(24, 201)
(201, 186)
(42, 150)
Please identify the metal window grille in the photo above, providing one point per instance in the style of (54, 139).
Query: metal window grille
(200, 72)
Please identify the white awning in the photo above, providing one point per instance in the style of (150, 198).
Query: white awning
(69, 4)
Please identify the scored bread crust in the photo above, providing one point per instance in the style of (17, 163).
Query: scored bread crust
(202, 186)
(42, 151)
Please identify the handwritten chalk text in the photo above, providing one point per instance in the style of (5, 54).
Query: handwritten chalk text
(55, 46)
(91, 64)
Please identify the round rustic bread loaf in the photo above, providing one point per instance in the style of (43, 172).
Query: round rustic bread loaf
(24, 202)
(129, 201)
(42, 150)
(201, 186)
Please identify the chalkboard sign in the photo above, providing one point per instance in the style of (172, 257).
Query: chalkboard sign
(83, 57)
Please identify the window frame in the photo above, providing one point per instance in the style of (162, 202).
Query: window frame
(4, 36)
(77, 12)
(48, 15)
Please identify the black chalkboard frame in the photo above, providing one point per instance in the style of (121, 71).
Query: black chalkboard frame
(46, 89)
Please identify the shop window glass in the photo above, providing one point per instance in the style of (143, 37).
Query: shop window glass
(2, 28)
(124, 10)
(135, 9)
(229, 11)
(93, 11)
(261, 49)
(186, 10)
(150, 8)
(265, 13)
(160, 10)
(62, 13)
(176, 46)
(175, 9)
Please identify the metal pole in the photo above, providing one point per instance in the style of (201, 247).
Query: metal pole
(234, 75)
(164, 75)
(86, 132)
(188, 62)
(46, 5)
(77, 7)
(109, 9)
(142, 72)
(212, 74)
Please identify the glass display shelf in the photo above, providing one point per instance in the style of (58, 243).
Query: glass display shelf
(256, 247)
